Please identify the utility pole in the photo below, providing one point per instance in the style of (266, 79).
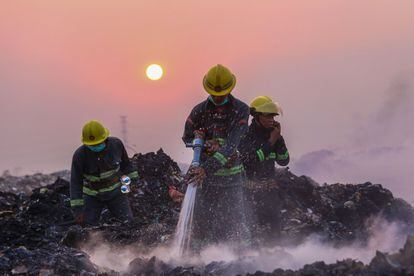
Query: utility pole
(124, 130)
(124, 133)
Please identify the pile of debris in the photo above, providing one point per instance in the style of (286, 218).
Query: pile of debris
(338, 213)
(25, 184)
(45, 215)
(41, 224)
(38, 232)
(152, 202)
(51, 260)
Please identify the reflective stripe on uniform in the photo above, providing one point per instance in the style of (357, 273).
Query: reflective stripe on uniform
(133, 174)
(230, 171)
(260, 154)
(221, 141)
(92, 192)
(272, 155)
(109, 173)
(220, 157)
(102, 176)
(92, 178)
(283, 156)
(76, 202)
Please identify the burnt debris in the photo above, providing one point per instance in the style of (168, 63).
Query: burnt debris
(38, 234)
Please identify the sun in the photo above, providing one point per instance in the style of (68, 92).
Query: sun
(154, 72)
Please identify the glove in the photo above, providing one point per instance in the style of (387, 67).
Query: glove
(134, 186)
(212, 146)
(80, 219)
(195, 175)
(175, 195)
(275, 134)
(199, 133)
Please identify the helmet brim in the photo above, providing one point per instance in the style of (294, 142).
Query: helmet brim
(222, 92)
(269, 108)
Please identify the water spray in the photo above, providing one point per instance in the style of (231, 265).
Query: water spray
(184, 227)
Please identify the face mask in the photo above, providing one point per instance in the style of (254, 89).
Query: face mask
(223, 103)
(97, 148)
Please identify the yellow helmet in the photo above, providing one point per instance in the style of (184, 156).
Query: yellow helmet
(219, 81)
(264, 104)
(94, 133)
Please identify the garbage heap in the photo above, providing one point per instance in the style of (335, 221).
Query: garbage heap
(37, 231)
(37, 234)
(339, 213)
(25, 184)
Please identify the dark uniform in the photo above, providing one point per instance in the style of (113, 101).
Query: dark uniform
(259, 159)
(95, 181)
(219, 207)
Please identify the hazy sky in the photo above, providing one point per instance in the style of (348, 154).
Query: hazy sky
(342, 70)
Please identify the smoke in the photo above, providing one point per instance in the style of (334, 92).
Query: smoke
(391, 123)
(109, 256)
(379, 148)
(385, 236)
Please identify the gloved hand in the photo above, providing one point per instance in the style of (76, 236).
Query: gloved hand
(175, 195)
(275, 134)
(80, 218)
(134, 189)
(134, 186)
(195, 175)
(212, 146)
(199, 134)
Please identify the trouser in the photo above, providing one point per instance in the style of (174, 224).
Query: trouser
(265, 218)
(118, 205)
(219, 213)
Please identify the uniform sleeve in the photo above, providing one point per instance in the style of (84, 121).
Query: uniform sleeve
(282, 153)
(252, 150)
(238, 130)
(190, 126)
(126, 165)
(76, 184)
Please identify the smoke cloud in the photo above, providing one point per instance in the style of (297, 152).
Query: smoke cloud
(379, 148)
(385, 237)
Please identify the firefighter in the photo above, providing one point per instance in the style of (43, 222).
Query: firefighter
(221, 120)
(261, 148)
(97, 168)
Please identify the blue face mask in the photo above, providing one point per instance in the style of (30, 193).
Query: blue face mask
(223, 103)
(97, 148)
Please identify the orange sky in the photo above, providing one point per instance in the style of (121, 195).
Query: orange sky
(65, 62)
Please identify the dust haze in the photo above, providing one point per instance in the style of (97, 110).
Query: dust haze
(384, 236)
(379, 147)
